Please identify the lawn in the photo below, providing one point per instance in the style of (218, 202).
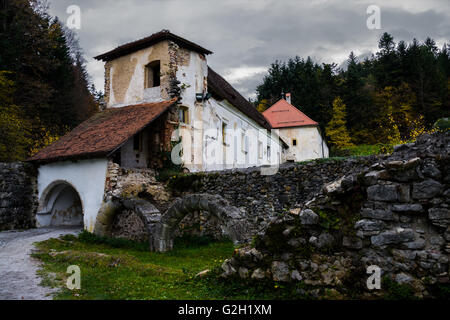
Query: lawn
(366, 150)
(112, 269)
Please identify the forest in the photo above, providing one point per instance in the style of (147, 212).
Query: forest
(45, 90)
(389, 98)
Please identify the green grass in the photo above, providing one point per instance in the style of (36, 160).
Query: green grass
(365, 150)
(124, 270)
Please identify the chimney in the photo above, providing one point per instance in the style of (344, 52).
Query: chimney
(288, 98)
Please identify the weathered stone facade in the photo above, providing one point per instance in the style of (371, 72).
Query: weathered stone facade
(18, 196)
(394, 215)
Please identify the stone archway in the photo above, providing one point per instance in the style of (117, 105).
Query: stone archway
(60, 205)
(230, 217)
(161, 227)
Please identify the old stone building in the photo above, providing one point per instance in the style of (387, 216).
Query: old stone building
(163, 105)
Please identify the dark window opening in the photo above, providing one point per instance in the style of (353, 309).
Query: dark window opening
(153, 74)
(294, 142)
(137, 142)
(117, 157)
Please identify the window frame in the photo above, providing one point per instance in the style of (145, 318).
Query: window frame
(260, 150)
(156, 64)
(224, 132)
(184, 115)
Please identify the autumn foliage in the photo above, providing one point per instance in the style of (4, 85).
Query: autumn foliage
(44, 87)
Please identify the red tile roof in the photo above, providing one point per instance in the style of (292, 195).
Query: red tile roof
(103, 133)
(283, 115)
(149, 41)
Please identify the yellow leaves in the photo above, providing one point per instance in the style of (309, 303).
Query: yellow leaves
(14, 134)
(415, 128)
(47, 139)
(263, 105)
(336, 129)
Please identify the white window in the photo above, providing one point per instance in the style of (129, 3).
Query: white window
(260, 150)
(244, 142)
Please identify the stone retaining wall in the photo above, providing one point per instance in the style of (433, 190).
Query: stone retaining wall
(263, 198)
(394, 215)
(18, 196)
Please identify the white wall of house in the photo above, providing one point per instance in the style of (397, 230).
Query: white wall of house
(87, 177)
(203, 147)
(310, 144)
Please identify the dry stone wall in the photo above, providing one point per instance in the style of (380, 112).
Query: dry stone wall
(263, 198)
(394, 215)
(18, 196)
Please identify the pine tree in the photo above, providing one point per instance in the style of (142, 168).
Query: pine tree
(336, 129)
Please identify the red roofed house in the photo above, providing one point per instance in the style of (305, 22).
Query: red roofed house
(300, 132)
(160, 94)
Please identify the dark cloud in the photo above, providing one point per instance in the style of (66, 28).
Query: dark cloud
(249, 35)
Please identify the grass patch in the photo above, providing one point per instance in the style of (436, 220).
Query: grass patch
(324, 160)
(395, 291)
(362, 150)
(114, 269)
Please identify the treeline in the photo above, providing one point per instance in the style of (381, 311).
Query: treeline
(401, 90)
(44, 86)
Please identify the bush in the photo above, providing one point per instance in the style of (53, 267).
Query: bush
(395, 291)
(442, 124)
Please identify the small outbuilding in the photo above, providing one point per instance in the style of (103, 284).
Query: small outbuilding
(300, 132)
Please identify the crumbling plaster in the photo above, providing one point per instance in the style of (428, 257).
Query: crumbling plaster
(125, 76)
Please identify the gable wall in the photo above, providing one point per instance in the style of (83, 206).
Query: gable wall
(309, 144)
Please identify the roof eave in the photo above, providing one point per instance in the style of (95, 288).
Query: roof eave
(147, 42)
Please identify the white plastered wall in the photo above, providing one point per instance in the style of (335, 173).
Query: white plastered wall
(86, 176)
(205, 124)
(310, 144)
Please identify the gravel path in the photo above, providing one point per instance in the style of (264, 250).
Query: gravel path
(18, 279)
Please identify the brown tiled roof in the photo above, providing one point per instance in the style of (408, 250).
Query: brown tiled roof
(103, 132)
(220, 87)
(149, 41)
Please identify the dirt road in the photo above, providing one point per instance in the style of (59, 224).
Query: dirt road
(18, 279)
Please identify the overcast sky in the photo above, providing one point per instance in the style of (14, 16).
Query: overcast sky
(246, 36)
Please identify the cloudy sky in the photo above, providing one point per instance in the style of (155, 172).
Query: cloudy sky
(246, 36)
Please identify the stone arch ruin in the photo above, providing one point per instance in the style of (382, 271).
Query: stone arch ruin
(230, 217)
(161, 227)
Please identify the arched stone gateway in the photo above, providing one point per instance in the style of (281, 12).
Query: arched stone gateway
(161, 227)
(229, 216)
(60, 205)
